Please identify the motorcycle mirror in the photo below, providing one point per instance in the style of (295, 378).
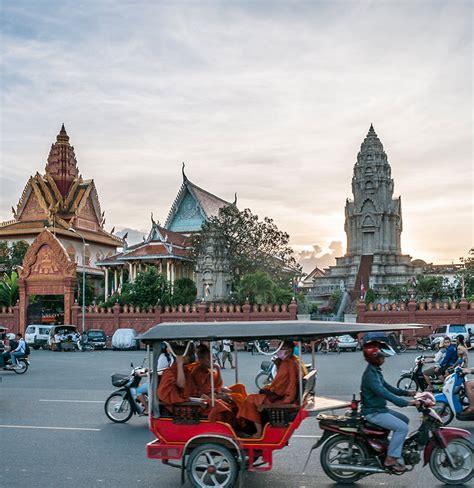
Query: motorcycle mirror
(131, 365)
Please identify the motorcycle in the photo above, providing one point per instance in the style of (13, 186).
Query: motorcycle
(352, 448)
(329, 344)
(413, 378)
(122, 403)
(268, 371)
(456, 399)
(22, 365)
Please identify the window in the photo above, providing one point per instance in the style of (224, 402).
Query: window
(457, 329)
(30, 330)
(441, 330)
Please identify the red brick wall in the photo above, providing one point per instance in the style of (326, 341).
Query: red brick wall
(141, 320)
(418, 313)
(9, 317)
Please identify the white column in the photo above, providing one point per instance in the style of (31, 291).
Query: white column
(168, 270)
(106, 283)
(172, 274)
(121, 278)
(115, 279)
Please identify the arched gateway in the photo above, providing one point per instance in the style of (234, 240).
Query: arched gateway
(47, 270)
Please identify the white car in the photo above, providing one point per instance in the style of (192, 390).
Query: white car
(347, 342)
(451, 331)
(37, 336)
(125, 339)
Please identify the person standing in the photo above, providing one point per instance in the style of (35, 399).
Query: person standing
(227, 346)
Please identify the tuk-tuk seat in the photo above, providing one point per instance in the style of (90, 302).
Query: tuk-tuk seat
(190, 412)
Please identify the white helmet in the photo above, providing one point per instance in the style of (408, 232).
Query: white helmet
(10, 336)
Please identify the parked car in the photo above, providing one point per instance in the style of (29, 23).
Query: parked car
(97, 338)
(348, 343)
(3, 337)
(125, 339)
(450, 330)
(37, 335)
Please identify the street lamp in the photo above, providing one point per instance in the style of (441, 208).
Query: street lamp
(83, 276)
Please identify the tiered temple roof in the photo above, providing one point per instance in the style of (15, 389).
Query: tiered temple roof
(60, 199)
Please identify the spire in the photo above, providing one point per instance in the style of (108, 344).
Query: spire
(235, 199)
(62, 164)
(62, 137)
(371, 145)
(185, 178)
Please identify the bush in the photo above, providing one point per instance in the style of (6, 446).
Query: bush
(184, 292)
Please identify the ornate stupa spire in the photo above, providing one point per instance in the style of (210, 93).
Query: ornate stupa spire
(62, 164)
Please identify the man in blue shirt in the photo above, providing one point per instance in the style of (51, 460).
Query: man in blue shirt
(450, 358)
(375, 392)
(19, 352)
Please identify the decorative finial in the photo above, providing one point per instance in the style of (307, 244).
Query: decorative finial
(113, 230)
(184, 175)
(62, 136)
(235, 199)
(152, 220)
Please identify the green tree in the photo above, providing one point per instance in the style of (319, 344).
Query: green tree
(9, 289)
(250, 244)
(259, 288)
(398, 293)
(370, 296)
(12, 256)
(184, 292)
(149, 288)
(466, 274)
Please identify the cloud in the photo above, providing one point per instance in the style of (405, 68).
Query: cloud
(271, 103)
(310, 259)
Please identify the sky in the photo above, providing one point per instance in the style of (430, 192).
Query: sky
(267, 99)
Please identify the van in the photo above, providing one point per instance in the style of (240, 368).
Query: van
(37, 336)
(61, 330)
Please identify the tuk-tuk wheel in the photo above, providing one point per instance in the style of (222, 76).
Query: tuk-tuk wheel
(212, 465)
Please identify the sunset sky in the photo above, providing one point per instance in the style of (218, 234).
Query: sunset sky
(267, 99)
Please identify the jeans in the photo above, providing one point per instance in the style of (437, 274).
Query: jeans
(398, 423)
(4, 357)
(15, 355)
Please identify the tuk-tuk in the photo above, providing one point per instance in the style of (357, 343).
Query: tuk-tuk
(188, 440)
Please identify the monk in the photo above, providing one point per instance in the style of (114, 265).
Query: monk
(176, 385)
(224, 397)
(283, 389)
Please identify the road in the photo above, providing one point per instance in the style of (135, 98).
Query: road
(54, 432)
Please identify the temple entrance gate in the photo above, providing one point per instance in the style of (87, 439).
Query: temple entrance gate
(47, 270)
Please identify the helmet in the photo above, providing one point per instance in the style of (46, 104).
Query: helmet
(10, 336)
(374, 350)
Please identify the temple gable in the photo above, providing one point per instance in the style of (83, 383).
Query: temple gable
(32, 209)
(188, 216)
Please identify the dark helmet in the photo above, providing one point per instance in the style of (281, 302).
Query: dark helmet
(374, 350)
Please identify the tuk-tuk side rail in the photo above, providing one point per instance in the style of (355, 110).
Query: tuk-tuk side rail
(188, 412)
(280, 415)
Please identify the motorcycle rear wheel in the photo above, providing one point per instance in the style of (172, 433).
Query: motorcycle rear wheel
(117, 408)
(406, 382)
(22, 367)
(463, 453)
(339, 445)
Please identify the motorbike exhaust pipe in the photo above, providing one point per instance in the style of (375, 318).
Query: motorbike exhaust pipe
(356, 469)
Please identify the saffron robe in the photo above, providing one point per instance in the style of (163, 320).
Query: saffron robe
(168, 391)
(283, 389)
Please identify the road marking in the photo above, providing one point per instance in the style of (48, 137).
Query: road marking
(47, 428)
(307, 436)
(72, 401)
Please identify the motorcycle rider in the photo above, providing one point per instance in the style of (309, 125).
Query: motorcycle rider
(448, 361)
(375, 392)
(438, 358)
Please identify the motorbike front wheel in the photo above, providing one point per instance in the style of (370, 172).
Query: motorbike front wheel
(343, 450)
(445, 412)
(118, 408)
(461, 452)
(406, 382)
(262, 379)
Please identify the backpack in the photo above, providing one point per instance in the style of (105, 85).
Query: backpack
(27, 349)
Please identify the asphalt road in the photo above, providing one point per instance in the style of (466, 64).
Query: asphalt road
(54, 432)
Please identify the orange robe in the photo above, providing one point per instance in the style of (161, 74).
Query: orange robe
(168, 391)
(202, 386)
(284, 389)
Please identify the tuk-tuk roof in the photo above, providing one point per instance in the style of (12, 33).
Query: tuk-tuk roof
(279, 329)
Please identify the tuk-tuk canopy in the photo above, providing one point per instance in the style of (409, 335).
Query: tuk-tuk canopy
(304, 330)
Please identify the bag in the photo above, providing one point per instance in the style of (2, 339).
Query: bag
(27, 349)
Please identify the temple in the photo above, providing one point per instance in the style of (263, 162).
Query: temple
(60, 199)
(169, 247)
(373, 225)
